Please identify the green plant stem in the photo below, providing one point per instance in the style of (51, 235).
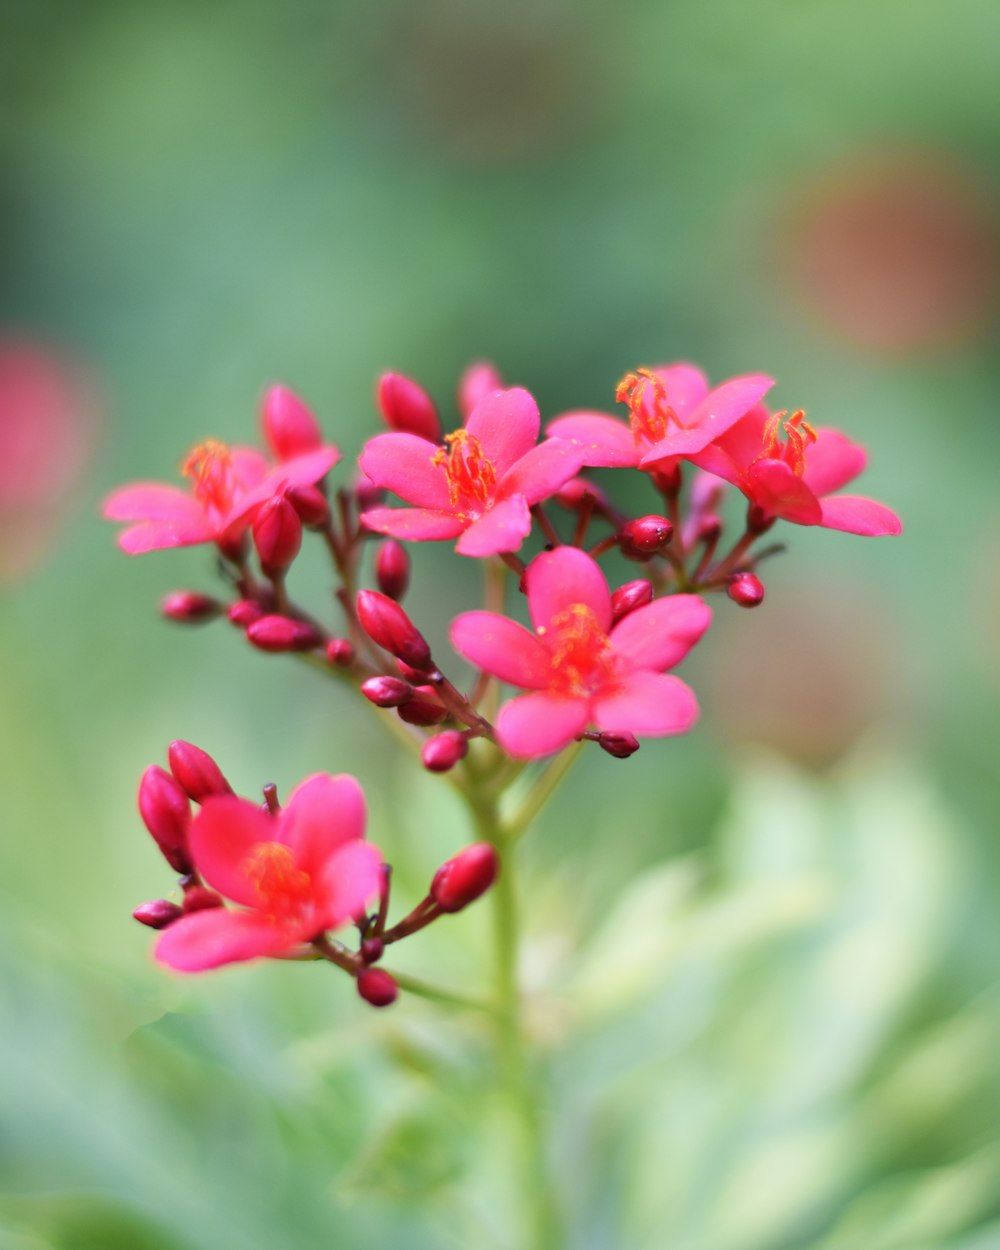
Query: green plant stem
(544, 787)
(449, 998)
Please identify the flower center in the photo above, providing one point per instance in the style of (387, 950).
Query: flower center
(582, 656)
(471, 475)
(799, 434)
(650, 414)
(213, 475)
(284, 891)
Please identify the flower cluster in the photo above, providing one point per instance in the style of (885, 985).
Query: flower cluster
(589, 659)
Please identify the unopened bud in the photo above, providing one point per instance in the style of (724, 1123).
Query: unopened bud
(281, 633)
(620, 745)
(709, 527)
(407, 407)
(629, 597)
(645, 535)
(289, 426)
(577, 491)
(195, 771)
(423, 708)
(310, 504)
(166, 813)
(378, 987)
(746, 589)
(244, 612)
(475, 383)
(157, 914)
(277, 535)
(387, 691)
(441, 753)
(340, 652)
(385, 622)
(366, 493)
(392, 569)
(200, 898)
(463, 879)
(187, 607)
(372, 950)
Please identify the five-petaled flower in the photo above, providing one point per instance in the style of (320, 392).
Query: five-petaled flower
(580, 669)
(295, 874)
(480, 486)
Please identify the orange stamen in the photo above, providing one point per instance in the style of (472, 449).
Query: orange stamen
(799, 434)
(210, 468)
(650, 414)
(582, 659)
(282, 888)
(471, 475)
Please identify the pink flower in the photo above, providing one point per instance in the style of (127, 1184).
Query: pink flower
(581, 670)
(672, 414)
(480, 487)
(295, 875)
(794, 479)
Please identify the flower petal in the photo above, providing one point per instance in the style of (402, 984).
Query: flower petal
(503, 528)
(686, 386)
(647, 703)
(538, 724)
(151, 501)
(506, 424)
(348, 883)
(322, 814)
(159, 535)
(415, 524)
(208, 939)
(660, 635)
(733, 452)
(404, 464)
(222, 840)
(832, 461)
(502, 647)
(556, 580)
(305, 470)
(717, 413)
(541, 471)
(604, 441)
(773, 487)
(855, 515)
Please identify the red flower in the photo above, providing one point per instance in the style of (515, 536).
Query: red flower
(295, 875)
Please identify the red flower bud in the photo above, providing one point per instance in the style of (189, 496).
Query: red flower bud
(310, 504)
(746, 589)
(620, 745)
(392, 569)
(477, 381)
(166, 813)
(631, 596)
(157, 914)
(387, 691)
(244, 612)
(187, 607)
(195, 771)
(340, 652)
(645, 535)
(372, 950)
(424, 708)
(387, 624)
(199, 898)
(407, 407)
(415, 676)
(577, 490)
(281, 633)
(277, 535)
(463, 879)
(378, 987)
(709, 527)
(289, 426)
(441, 753)
(366, 493)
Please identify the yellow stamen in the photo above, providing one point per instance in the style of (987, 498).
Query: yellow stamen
(650, 415)
(799, 433)
(471, 475)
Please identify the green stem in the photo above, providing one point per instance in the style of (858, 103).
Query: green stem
(449, 998)
(545, 786)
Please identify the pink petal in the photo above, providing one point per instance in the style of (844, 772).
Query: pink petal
(538, 724)
(506, 424)
(732, 454)
(557, 580)
(604, 441)
(348, 883)
(686, 386)
(502, 647)
(503, 528)
(855, 515)
(250, 466)
(717, 413)
(159, 535)
(541, 471)
(304, 470)
(415, 524)
(320, 815)
(660, 635)
(151, 501)
(223, 837)
(832, 461)
(773, 487)
(647, 703)
(208, 939)
(404, 464)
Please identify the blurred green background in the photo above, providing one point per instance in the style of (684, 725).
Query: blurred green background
(765, 957)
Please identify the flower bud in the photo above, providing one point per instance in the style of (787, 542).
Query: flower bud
(200, 898)
(281, 633)
(195, 771)
(423, 708)
(372, 950)
(629, 597)
(407, 407)
(289, 426)
(463, 879)
(310, 504)
(476, 382)
(577, 490)
(187, 607)
(157, 914)
(645, 535)
(387, 691)
(746, 589)
(277, 535)
(441, 753)
(387, 624)
(366, 493)
(392, 569)
(620, 745)
(244, 612)
(340, 652)
(166, 813)
(709, 528)
(378, 987)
